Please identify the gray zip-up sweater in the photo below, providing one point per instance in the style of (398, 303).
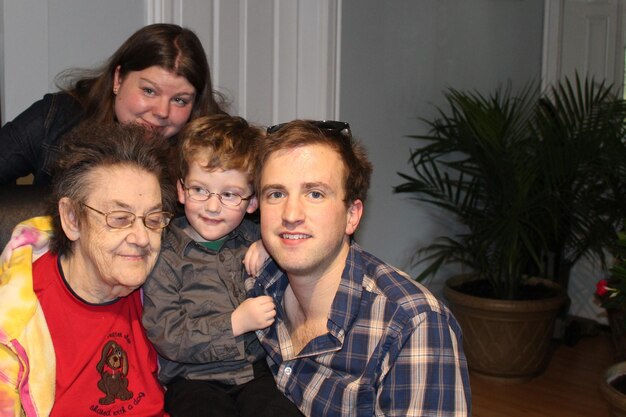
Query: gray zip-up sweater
(188, 301)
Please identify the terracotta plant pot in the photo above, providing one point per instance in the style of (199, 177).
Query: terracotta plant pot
(615, 399)
(505, 341)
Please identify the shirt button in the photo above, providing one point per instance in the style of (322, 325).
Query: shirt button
(288, 370)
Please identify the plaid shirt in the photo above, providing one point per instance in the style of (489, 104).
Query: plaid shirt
(391, 349)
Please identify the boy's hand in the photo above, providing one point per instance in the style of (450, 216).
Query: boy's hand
(253, 314)
(256, 255)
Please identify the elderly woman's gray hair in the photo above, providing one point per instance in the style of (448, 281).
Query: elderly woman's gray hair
(91, 146)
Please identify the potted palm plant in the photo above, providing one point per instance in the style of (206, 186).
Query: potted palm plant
(581, 159)
(534, 180)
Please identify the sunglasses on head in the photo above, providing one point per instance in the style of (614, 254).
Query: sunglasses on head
(332, 125)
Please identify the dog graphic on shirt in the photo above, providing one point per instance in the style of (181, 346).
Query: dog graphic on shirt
(113, 368)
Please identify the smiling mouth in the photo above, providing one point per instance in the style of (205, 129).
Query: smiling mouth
(133, 258)
(294, 236)
(155, 127)
(211, 221)
(141, 254)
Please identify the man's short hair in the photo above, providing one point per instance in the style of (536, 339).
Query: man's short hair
(297, 133)
(219, 142)
(91, 146)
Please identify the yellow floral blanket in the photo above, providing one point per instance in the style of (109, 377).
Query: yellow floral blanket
(27, 362)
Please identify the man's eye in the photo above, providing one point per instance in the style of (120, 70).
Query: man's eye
(274, 195)
(148, 91)
(316, 195)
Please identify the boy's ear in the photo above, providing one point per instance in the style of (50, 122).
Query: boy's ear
(180, 191)
(253, 204)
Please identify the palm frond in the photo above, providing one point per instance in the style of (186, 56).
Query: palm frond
(530, 176)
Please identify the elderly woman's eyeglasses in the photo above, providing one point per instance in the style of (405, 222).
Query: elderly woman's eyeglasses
(332, 125)
(121, 219)
(227, 198)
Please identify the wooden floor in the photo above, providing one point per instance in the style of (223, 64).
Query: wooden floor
(569, 387)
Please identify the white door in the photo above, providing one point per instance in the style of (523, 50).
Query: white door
(583, 36)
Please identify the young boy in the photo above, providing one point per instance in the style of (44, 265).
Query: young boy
(195, 307)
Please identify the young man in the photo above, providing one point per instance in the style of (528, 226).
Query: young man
(196, 312)
(352, 336)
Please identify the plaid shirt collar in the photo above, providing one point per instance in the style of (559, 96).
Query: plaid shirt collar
(273, 282)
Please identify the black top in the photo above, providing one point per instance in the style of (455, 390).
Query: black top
(30, 143)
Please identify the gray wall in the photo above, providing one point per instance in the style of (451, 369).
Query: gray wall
(397, 56)
(42, 38)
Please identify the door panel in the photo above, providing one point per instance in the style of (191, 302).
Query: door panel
(583, 36)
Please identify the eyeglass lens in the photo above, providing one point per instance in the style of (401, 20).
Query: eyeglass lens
(202, 194)
(120, 219)
(124, 219)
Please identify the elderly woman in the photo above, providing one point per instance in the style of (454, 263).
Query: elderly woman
(70, 318)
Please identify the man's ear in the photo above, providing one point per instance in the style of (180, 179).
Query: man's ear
(69, 219)
(253, 204)
(354, 213)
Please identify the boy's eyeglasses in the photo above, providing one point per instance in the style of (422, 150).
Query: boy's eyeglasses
(227, 198)
(333, 125)
(122, 219)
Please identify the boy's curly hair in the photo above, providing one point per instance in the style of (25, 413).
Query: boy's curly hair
(221, 142)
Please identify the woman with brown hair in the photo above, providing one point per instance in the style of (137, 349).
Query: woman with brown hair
(159, 77)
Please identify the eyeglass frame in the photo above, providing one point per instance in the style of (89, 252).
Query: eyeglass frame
(210, 193)
(342, 128)
(168, 218)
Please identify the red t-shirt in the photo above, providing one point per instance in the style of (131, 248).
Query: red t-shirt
(105, 365)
